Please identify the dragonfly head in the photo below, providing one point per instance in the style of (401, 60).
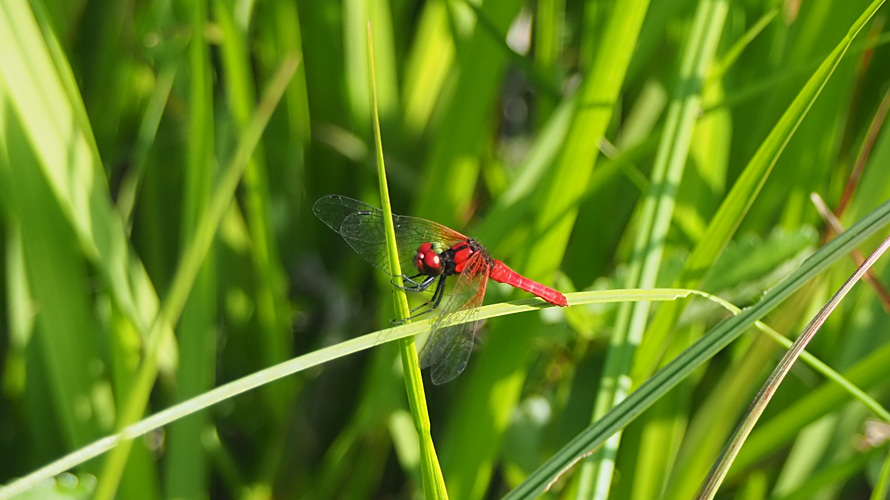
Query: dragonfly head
(427, 259)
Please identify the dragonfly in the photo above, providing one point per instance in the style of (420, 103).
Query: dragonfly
(434, 253)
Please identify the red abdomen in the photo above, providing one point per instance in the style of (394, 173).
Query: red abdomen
(503, 274)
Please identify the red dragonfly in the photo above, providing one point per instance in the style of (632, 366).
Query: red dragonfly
(435, 252)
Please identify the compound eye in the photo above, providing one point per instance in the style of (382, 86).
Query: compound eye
(427, 260)
(431, 260)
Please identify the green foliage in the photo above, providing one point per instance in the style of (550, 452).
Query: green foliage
(158, 163)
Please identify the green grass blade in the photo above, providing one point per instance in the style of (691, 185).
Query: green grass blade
(549, 30)
(705, 348)
(356, 14)
(290, 367)
(428, 62)
(320, 357)
(193, 256)
(52, 122)
(561, 190)
(270, 294)
(721, 467)
(882, 488)
(731, 56)
(461, 134)
(736, 205)
(744, 192)
(831, 477)
(497, 374)
(65, 340)
(655, 219)
(758, 169)
(433, 481)
(187, 465)
(147, 134)
(720, 230)
(774, 433)
(40, 88)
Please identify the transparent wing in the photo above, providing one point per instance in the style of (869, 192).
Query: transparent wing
(448, 349)
(361, 225)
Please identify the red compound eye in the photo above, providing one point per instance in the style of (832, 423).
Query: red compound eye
(427, 260)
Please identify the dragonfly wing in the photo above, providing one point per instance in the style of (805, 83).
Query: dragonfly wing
(448, 349)
(412, 232)
(362, 226)
(333, 209)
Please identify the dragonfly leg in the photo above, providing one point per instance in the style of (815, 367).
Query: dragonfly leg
(428, 306)
(431, 304)
(416, 286)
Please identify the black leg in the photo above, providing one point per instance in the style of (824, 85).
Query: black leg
(429, 305)
(435, 300)
(414, 285)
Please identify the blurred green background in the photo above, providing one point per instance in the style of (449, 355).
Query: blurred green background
(589, 144)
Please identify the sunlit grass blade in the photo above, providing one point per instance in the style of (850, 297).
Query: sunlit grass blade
(498, 372)
(64, 337)
(479, 68)
(193, 255)
(426, 68)
(720, 230)
(285, 369)
(270, 294)
(186, 464)
(549, 30)
(721, 467)
(320, 357)
(700, 352)
(742, 195)
(655, 215)
(882, 488)
(356, 14)
(55, 127)
(41, 92)
(433, 481)
(54, 123)
(745, 190)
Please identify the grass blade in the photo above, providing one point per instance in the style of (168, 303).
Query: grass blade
(497, 374)
(187, 465)
(656, 213)
(721, 467)
(744, 192)
(433, 481)
(678, 369)
(193, 255)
